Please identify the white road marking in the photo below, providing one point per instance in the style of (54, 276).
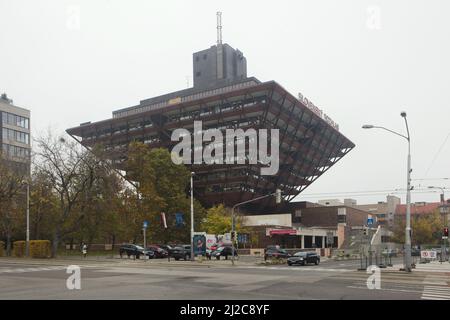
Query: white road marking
(438, 290)
(33, 269)
(385, 289)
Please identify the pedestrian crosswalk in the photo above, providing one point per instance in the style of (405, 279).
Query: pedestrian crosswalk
(436, 293)
(436, 288)
(33, 269)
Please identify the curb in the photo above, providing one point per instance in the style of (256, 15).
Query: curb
(119, 263)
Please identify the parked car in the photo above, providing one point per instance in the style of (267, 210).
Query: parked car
(303, 258)
(181, 252)
(415, 252)
(223, 251)
(274, 252)
(159, 252)
(166, 247)
(135, 250)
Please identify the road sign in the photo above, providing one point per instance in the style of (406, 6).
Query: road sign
(369, 221)
(428, 254)
(330, 238)
(145, 224)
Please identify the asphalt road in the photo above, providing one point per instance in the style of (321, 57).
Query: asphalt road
(30, 279)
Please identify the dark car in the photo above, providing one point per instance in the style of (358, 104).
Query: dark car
(159, 252)
(275, 252)
(415, 252)
(181, 252)
(135, 251)
(224, 251)
(303, 258)
(166, 247)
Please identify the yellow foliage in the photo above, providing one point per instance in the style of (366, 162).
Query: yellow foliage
(38, 248)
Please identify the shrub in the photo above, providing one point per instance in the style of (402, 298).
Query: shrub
(38, 248)
(2, 248)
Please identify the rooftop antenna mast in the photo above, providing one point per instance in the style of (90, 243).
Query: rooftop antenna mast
(219, 27)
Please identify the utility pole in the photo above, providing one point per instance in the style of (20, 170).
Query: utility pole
(408, 204)
(407, 256)
(192, 216)
(28, 221)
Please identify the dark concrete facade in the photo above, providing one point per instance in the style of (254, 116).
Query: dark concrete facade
(218, 65)
(223, 97)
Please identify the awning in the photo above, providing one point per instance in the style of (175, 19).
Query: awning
(290, 232)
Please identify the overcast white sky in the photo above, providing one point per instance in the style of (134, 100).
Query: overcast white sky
(360, 61)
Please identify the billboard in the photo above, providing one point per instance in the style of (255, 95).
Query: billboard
(211, 239)
(199, 244)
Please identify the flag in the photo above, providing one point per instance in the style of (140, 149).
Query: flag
(179, 219)
(163, 220)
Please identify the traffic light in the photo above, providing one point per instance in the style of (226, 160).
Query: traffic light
(365, 231)
(446, 232)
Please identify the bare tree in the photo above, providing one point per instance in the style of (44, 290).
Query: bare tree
(63, 164)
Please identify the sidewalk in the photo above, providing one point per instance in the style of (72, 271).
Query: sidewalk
(433, 266)
(95, 261)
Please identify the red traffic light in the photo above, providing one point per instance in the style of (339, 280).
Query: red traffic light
(446, 232)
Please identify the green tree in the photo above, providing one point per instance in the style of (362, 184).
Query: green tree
(63, 164)
(426, 229)
(218, 221)
(161, 186)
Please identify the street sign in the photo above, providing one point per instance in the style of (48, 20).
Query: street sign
(145, 224)
(428, 254)
(330, 238)
(369, 221)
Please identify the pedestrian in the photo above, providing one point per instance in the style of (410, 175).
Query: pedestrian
(84, 250)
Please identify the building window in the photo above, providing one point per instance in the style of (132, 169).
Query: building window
(197, 58)
(297, 218)
(342, 218)
(16, 136)
(15, 152)
(205, 56)
(198, 74)
(14, 120)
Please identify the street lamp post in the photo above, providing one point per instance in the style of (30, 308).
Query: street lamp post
(192, 216)
(27, 248)
(27, 242)
(407, 257)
